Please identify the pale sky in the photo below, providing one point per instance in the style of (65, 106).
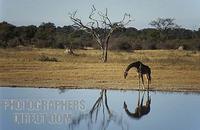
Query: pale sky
(27, 12)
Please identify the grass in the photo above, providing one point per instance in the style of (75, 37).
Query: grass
(172, 70)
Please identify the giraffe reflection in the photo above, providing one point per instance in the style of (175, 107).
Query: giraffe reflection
(141, 109)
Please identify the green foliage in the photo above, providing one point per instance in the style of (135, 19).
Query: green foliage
(122, 44)
(164, 23)
(47, 35)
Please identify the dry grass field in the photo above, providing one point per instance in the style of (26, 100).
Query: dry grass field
(172, 70)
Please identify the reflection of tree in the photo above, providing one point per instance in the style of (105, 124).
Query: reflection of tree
(97, 105)
(95, 115)
(141, 109)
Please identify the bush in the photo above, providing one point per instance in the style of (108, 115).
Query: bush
(125, 46)
(48, 59)
(3, 44)
(170, 44)
(122, 46)
(136, 46)
(122, 43)
(191, 44)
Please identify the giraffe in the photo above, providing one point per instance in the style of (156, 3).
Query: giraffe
(141, 109)
(141, 70)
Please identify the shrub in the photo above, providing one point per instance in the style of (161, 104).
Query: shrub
(149, 45)
(122, 46)
(191, 44)
(48, 59)
(136, 46)
(122, 43)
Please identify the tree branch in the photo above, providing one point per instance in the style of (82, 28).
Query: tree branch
(100, 27)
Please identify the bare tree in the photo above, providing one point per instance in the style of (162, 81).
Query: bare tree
(100, 27)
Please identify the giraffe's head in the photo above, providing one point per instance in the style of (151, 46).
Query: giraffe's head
(125, 74)
(125, 106)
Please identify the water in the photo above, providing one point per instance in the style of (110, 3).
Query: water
(50, 109)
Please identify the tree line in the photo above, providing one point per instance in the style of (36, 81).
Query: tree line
(47, 35)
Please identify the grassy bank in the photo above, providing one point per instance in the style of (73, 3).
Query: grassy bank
(172, 70)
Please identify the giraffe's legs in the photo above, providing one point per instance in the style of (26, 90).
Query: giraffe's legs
(142, 98)
(148, 80)
(139, 80)
(138, 98)
(142, 81)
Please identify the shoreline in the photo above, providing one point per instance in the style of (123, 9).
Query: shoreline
(164, 90)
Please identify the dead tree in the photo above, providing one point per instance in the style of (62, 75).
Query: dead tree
(100, 27)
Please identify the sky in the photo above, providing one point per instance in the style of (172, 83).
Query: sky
(34, 12)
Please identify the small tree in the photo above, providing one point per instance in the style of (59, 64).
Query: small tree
(100, 27)
(163, 25)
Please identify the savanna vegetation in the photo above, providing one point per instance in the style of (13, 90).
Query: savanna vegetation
(35, 56)
(47, 35)
(172, 70)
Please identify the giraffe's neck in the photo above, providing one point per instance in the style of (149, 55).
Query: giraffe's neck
(132, 65)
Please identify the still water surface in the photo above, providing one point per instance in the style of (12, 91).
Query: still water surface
(85, 109)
